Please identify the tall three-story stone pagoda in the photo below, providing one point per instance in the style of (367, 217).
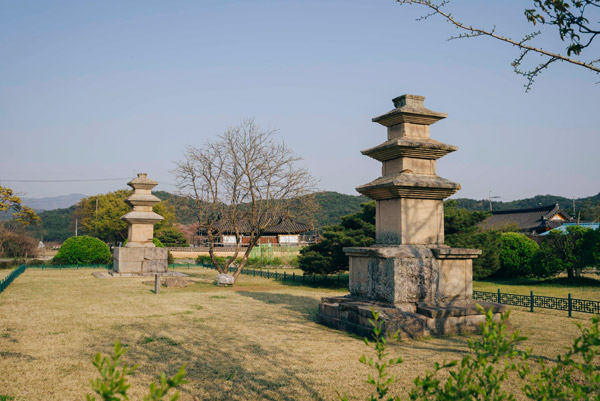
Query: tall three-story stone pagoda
(420, 286)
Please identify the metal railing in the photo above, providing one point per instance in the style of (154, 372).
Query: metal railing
(5, 282)
(76, 267)
(532, 301)
(338, 281)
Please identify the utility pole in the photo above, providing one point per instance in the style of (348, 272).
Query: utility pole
(76, 221)
(574, 214)
(96, 225)
(490, 197)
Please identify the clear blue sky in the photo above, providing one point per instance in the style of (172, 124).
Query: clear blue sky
(106, 89)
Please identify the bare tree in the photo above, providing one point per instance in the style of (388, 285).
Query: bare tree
(568, 16)
(244, 183)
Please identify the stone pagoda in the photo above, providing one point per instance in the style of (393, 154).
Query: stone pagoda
(420, 286)
(140, 256)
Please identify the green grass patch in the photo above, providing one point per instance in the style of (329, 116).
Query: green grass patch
(164, 340)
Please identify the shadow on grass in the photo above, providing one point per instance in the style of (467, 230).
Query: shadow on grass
(333, 282)
(549, 282)
(223, 368)
(305, 305)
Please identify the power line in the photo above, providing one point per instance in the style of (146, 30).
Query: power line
(79, 180)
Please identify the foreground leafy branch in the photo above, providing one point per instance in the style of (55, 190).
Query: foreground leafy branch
(493, 360)
(112, 384)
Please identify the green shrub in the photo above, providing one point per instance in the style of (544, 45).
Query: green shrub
(83, 250)
(515, 256)
(327, 256)
(546, 262)
(205, 259)
(172, 237)
(570, 251)
(490, 244)
(263, 262)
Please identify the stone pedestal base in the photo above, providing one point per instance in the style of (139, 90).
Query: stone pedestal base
(352, 315)
(404, 275)
(140, 260)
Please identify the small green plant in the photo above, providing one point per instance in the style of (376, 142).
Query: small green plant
(383, 380)
(112, 384)
(205, 259)
(576, 375)
(494, 357)
(481, 374)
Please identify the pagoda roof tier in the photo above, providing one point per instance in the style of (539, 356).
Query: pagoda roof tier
(142, 218)
(142, 182)
(409, 109)
(142, 200)
(409, 185)
(408, 147)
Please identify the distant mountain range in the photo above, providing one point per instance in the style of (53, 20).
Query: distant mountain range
(53, 202)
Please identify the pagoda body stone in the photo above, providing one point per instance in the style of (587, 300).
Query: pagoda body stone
(420, 285)
(140, 255)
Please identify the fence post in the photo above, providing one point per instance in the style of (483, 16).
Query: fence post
(284, 276)
(294, 277)
(275, 275)
(531, 301)
(498, 295)
(570, 304)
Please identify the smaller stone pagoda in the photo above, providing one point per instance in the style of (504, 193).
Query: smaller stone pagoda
(140, 256)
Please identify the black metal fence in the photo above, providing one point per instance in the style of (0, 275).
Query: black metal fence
(5, 282)
(337, 281)
(531, 301)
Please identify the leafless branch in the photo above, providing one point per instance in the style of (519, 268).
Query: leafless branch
(436, 8)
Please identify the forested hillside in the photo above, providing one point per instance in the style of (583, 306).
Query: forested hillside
(56, 225)
(333, 205)
(59, 224)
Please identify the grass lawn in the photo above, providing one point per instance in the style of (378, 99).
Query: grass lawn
(258, 340)
(5, 272)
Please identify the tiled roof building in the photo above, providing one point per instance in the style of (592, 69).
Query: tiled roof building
(530, 221)
(283, 231)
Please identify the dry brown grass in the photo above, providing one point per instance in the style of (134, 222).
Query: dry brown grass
(255, 341)
(5, 272)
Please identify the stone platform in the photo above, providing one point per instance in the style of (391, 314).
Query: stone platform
(352, 314)
(114, 274)
(140, 260)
